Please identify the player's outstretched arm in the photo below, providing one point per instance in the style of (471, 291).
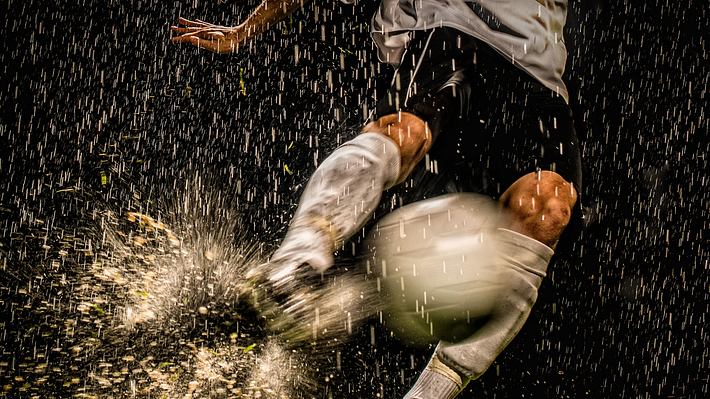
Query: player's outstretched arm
(226, 39)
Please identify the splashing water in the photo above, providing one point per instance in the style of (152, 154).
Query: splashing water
(184, 319)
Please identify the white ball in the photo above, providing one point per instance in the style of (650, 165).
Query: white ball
(435, 263)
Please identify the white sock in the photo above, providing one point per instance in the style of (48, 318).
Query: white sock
(524, 263)
(339, 198)
(437, 381)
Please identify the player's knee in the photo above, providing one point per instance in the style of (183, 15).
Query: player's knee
(555, 214)
(409, 132)
(540, 205)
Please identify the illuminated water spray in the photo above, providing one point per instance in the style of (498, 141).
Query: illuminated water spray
(180, 318)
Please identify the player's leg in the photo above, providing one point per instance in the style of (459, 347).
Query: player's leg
(540, 205)
(523, 128)
(411, 134)
(346, 188)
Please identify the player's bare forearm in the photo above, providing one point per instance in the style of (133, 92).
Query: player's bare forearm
(227, 39)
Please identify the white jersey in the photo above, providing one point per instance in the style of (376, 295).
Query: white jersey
(527, 32)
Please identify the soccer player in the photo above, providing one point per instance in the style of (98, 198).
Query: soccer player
(478, 87)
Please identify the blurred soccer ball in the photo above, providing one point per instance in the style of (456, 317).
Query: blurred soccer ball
(435, 263)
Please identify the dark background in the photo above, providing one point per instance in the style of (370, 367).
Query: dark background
(97, 106)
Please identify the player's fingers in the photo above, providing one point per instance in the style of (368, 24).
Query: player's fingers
(203, 34)
(201, 43)
(184, 39)
(189, 29)
(193, 39)
(214, 35)
(206, 33)
(208, 24)
(207, 44)
(187, 22)
(207, 38)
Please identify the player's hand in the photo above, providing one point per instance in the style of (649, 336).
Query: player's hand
(215, 38)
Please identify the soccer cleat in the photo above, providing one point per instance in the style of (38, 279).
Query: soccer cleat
(286, 295)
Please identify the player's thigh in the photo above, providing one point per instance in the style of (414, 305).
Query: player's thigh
(534, 157)
(426, 94)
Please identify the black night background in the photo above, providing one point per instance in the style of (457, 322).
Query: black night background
(114, 143)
